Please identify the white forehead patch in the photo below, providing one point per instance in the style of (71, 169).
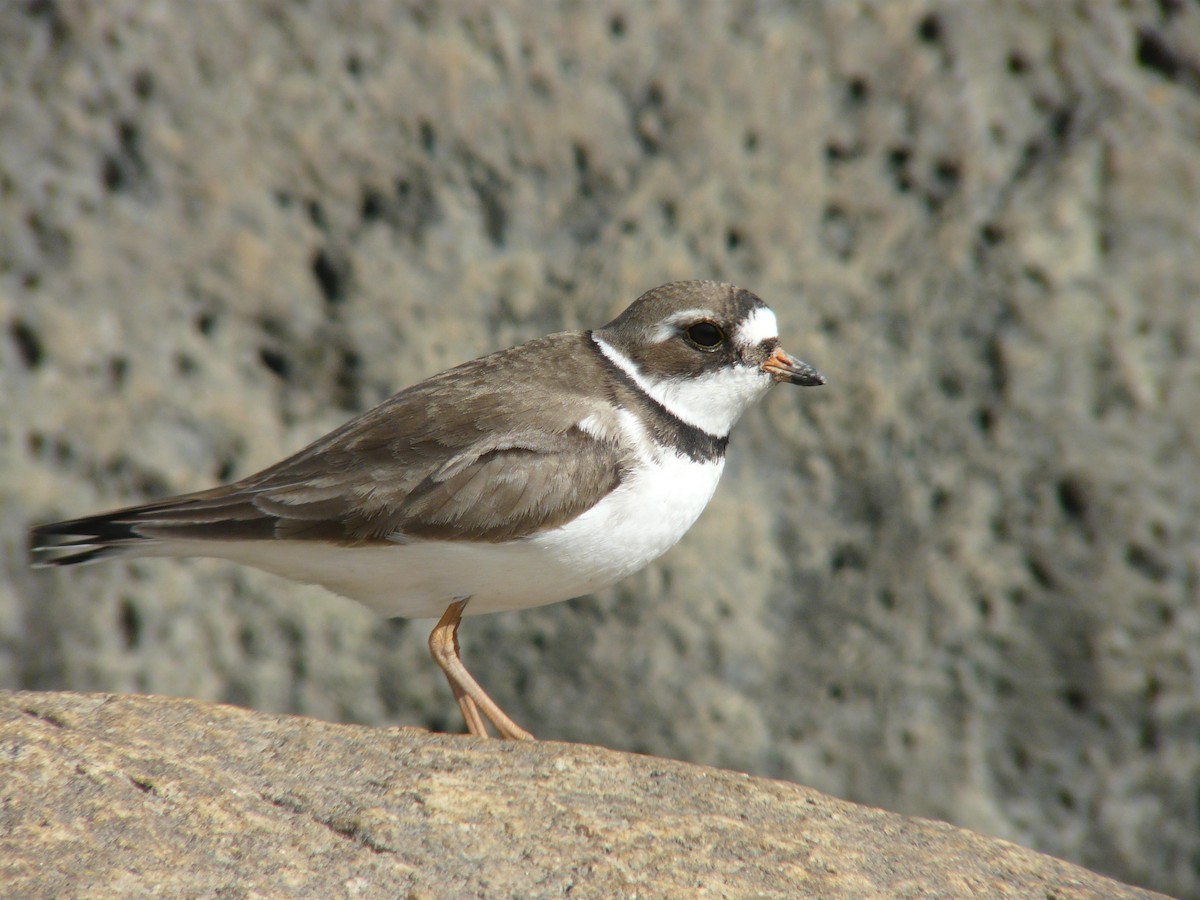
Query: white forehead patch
(761, 325)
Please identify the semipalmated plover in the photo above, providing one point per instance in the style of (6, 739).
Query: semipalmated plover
(525, 477)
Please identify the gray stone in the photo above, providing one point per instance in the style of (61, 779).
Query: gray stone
(110, 796)
(960, 581)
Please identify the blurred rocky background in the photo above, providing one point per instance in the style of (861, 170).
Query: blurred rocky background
(962, 580)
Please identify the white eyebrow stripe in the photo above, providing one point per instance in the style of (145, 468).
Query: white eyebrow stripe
(667, 330)
(761, 325)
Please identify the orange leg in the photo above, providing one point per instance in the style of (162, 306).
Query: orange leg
(472, 699)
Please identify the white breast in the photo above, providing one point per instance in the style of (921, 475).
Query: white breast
(636, 523)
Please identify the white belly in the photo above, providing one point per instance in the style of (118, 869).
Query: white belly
(633, 525)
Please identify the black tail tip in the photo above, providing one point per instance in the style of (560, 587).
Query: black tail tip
(78, 541)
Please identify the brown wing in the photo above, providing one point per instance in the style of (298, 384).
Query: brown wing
(453, 456)
(501, 487)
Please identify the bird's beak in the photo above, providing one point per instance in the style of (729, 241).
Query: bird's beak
(785, 367)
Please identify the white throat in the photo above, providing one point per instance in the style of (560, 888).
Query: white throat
(712, 402)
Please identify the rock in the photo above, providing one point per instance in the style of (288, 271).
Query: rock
(108, 795)
(960, 581)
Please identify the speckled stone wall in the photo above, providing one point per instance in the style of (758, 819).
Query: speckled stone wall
(961, 580)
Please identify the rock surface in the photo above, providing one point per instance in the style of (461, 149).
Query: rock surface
(960, 581)
(127, 796)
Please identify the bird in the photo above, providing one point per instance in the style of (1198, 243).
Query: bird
(525, 477)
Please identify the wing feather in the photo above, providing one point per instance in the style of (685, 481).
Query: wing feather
(442, 459)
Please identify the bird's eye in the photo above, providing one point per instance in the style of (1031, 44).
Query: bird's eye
(705, 335)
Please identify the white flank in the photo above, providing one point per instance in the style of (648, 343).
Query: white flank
(594, 426)
(627, 427)
(712, 402)
(633, 525)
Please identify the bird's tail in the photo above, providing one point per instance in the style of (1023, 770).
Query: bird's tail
(151, 529)
(88, 540)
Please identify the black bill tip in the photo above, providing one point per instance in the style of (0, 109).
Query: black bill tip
(786, 369)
